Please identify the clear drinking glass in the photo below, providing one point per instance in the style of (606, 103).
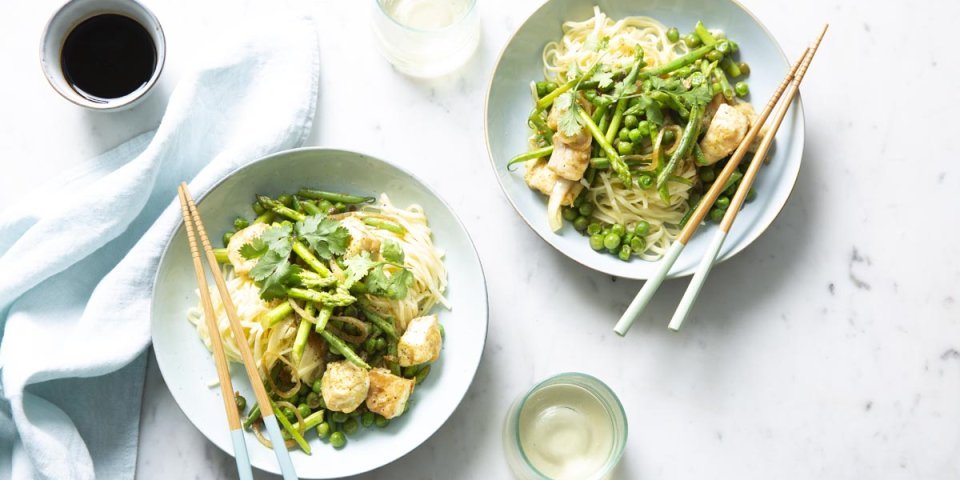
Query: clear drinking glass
(426, 38)
(569, 426)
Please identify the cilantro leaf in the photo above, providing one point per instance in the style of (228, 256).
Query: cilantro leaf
(392, 252)
(603, 79)
(357, 267)
(393, 285)
(256, 248)
(325, 235)
(569, 122)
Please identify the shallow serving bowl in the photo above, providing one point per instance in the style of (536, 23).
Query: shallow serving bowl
(188, 368)
(508, 106)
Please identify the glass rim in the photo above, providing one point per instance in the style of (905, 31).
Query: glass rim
(454, 24)
(591, 383)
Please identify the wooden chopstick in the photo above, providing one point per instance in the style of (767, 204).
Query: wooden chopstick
(700, 276)
(266, 408)
(670, 257)
(244, 470)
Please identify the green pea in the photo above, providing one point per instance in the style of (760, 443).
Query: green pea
(370, 345)
(715, 88)
(645, 126)
(581, 223)
(636, 135)
(593, 228)
(285, 199)
(325, 206)
(596, 241)
(258, 209)
(722, 203)
(338, 440)
(624, 134)
(287, 412)
(303, 409)
(323, 430)
(751, 195)
(744, 68)
(585, 209)
(673, 34)
(226, 238)
(734, 46)
(627, 238)
(569, 214)
(541, 89)
(692, 40)
(551, 86)
(638, 245)
(611, 241)
(631, 121)
(642, 228)
(313, 400)
(241, 402)
(351, 426)
(381, 421)
(618, 230)
(381, 344)
(240, 223)
(742, 89)
(625, 148)
(723, 47)
(316, 386)
(624, 253)
(669, 137)
(707, 174)
(367, 419)
(716, 215)
(645, 181)
(714, 56)
(339, 417)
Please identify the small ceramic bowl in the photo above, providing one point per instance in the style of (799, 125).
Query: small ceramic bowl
(72, 14)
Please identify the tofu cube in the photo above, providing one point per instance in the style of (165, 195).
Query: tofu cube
(421, 342)
(344, 386)
(389, 393)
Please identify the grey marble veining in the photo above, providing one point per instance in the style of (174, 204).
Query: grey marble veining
(827, 349)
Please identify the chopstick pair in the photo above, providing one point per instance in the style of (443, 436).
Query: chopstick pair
(194, 226)
(788, 90)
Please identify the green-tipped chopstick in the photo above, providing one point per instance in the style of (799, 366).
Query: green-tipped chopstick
(650, 287)
(696, 283)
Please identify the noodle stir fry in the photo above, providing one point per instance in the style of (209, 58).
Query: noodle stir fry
(629, 127)
(333, 293)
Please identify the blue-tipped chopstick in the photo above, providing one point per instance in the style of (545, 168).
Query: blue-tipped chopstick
(244, 471)
(266, 408)
(693, 289)
(651, 285)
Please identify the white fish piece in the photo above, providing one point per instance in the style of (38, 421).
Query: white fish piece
(344, 386)
(389, 393)
(421, 342)
(724, 134)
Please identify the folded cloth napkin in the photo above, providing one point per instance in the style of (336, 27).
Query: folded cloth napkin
(76, 275)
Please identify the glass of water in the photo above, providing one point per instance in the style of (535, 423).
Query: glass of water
(426, 38)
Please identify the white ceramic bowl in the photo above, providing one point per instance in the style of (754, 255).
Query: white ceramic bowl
(508, 105)
(188, 368)
(75, 12)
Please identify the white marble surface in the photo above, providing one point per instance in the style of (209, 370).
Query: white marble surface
(828, 349)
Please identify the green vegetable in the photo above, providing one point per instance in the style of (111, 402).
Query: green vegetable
(221, 255)
(381, 421)
(339, 417)
(593, 228)
(279, 208)
(343, 349)
(351, 426)
(624, 135)
(638, 244)
(240, 223)
(625, 148)
(742, 89)
(385, 225)
(334, 197)
(687, 141)
(524, 157)
(642, 228)
(585, 209)
(669, 137)
(630, 121)
(627, 87)
(580, 224)
(611, 241)
(722, 203)
(241, 402)
(692, 40)
(324, 235)
(285, 421)
(596, 241)
(569, 214)
(335, 299)
(323, 317)
(367, 419)
(673, 35)
(744, 68)
(698, 156)
(313, 400)
(303, 331)
(310, 208)
(716, 215)
(616, 163)
(317, 385)
(706, 174)
(338, 440)
(730, 67)
(303, 410)
(548, 99)
(704, 35)
(276, 314)
(624, 253)
(323, 430)
(751, 195)
(618, 229)
(253, 417)
(226, 238)
(677, 63)
(258, 209)
(422, 374)
(645, 181)
(636, 135)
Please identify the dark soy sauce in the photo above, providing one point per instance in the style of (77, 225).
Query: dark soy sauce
(108, 56)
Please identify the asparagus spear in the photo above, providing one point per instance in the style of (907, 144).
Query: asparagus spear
(279, 209)
(687, 141)
(276, 314)
(616, 162)
(221, 255)
(292, 431)
(303, 331)
(325, 313)
(334, 197)
(385, 225)
(678, 63)
(336, 299)
(342, 348)
(304, 253)
(380, 322)
(622, 101)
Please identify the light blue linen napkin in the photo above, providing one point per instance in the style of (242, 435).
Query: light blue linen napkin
(77, 270)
